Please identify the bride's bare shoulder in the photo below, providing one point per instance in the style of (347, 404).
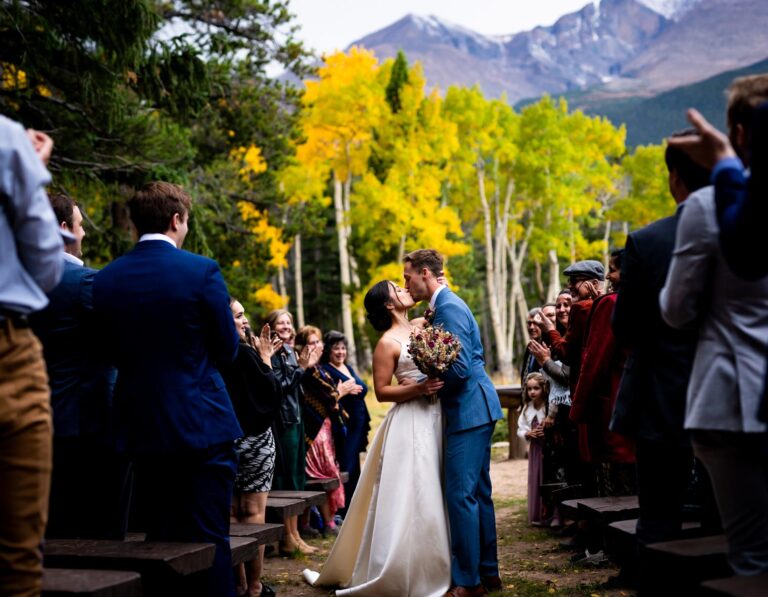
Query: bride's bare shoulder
(387, 343)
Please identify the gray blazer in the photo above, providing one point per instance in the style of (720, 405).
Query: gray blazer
(732, 317)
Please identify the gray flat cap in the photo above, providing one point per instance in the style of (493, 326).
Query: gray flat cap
(588, 268)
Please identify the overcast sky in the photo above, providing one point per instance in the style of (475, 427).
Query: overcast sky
(328, 25)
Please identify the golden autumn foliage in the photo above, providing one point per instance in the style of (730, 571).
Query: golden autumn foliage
(270, 236)
(267, 298)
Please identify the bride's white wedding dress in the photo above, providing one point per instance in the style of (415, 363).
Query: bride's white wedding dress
(394, 540)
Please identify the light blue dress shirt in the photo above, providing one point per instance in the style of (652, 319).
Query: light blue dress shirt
(31, 261)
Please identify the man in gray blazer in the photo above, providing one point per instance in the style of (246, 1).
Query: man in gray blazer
(650, 403)
(728, 373)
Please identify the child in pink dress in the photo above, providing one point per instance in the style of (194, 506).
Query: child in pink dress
(530, 427)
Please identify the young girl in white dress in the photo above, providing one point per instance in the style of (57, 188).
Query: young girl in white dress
(394, 540)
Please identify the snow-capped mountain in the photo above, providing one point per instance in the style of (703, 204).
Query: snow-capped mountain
(627, 46)
(671, 9)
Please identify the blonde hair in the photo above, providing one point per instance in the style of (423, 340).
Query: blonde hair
(303, 335)
(543, 381)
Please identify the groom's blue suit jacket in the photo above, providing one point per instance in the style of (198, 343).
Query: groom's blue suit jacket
(469, 397)
(166, 314)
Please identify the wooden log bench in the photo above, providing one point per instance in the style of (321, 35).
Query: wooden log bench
(683, 564)
(63, 582)
(737, 586)
(163, 565)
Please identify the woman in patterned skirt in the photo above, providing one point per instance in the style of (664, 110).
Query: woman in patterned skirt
(256, 396)
(324, 425)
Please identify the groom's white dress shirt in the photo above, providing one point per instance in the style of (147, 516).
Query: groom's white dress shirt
(433, 299)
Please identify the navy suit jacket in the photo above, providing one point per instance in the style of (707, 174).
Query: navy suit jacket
(81, 385)
(469, 397)
(167, 317)
(651, 400)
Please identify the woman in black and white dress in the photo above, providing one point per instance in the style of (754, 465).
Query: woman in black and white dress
(256, 396)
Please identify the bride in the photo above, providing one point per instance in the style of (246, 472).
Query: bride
(394, 540)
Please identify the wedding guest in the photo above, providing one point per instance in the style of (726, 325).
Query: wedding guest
(530, 426)
(530, 363)
(728, 377)
(358, 423)
(602, 365)
(289, 368)
(562, 309)
(31, 264)
(91, 482)
(585, 280)
(167, 313)
(324, 425)
(256, 396)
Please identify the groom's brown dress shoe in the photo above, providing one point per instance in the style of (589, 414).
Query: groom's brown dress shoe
(491, 583)
(477, 591)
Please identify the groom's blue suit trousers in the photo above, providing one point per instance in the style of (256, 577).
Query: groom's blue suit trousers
(470, 507)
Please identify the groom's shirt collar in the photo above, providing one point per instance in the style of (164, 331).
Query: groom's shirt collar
(433, 299)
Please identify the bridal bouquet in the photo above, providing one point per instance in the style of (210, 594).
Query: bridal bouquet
(433, 350)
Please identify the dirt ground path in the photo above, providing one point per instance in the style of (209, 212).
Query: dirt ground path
(531, 562)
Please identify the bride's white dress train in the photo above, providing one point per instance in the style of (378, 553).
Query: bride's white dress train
(394, 540)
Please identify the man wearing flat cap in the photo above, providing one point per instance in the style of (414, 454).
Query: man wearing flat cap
(585, 281)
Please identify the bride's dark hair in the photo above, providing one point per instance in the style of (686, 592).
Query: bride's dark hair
(376, 301)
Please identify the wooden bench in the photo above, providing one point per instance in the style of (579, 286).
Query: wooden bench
(620, 538)
(601, 510)
(61, 582)
(681, 565)
(608, 509)
(312, 498)
(262, 533)
(325, 484)
(244, 549)
(511, 397)
(737, 586)
(280, 508)
(163, 565)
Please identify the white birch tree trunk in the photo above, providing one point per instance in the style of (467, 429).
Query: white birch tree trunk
(554, 277)
(298, 281)
(503, 359)
(346, 282)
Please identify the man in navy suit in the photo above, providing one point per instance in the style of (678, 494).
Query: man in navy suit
(167, 314)
(650, 405)
(471, 408)
(90, 483)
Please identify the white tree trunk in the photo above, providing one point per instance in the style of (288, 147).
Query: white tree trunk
(298, 281)
(606, 245)
(281, 287)
(554, 277)
(346, 283)
(503, 359)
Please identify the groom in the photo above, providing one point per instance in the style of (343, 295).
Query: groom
(470, 407)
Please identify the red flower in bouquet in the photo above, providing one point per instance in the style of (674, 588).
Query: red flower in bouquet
(434, 350)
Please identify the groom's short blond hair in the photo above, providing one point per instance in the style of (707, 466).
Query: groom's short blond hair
(429, 258)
